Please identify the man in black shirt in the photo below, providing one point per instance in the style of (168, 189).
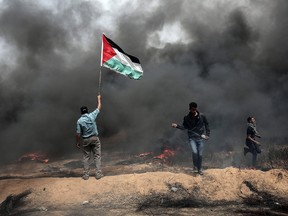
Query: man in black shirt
(198, 131)
(251, 142)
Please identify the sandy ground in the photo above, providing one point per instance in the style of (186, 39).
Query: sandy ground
(137, 189)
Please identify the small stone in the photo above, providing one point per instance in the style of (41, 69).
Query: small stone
(42, 208)
(85, 202)
(174, 189)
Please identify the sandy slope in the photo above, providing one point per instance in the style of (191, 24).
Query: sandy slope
(131, 183)
(124, 189)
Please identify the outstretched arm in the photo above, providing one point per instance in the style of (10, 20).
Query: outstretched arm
(174, 125)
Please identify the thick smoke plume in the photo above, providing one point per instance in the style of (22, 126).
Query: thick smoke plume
(228, 57)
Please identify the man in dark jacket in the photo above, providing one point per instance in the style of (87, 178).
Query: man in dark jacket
(251, 142)
(198, 130)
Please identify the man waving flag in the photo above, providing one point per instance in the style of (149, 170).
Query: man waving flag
(114, 58)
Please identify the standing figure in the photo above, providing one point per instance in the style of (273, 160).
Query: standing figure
(198, 130)
(86, 129)
(251, 142)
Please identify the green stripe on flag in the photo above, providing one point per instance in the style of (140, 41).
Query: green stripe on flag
(123, 69)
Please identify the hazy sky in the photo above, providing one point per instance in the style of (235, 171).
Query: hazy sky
(228, 56)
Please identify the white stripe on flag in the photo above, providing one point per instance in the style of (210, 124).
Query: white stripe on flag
(127, 61)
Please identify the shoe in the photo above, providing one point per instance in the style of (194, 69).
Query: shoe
(99, 176)
(194, 170)
(85, 177)
(200, 172)
(246, 150)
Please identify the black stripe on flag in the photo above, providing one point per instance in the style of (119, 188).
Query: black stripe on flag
(114, 45)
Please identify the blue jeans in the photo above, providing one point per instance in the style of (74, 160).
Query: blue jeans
(197, 152)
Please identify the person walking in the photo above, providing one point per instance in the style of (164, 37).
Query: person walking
(251, 142)
(86, 130)
(198, 130)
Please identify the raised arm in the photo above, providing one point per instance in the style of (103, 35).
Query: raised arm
(99, 102)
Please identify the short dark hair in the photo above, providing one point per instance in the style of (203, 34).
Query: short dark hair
(84, 110)
(249, 119)
(192, 105)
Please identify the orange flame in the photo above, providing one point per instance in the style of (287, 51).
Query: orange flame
(167, 155)
(35, 156)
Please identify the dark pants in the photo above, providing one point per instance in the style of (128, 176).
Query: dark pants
(255, 150)
(92, 146)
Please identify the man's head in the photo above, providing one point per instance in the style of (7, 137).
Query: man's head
(84, 110)
(193, 107)
(251, 119)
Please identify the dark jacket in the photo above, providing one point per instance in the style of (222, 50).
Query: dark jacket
(253, 147)
(196, 125)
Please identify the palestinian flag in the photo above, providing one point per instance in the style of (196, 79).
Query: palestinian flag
(114, 58)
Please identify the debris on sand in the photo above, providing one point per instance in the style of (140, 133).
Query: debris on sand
(12, 202)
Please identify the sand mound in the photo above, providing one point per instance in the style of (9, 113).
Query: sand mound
(59, 195)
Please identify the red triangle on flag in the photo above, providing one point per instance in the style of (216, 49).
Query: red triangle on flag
(107, 50)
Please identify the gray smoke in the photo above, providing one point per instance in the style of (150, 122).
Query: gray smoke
(231, 62)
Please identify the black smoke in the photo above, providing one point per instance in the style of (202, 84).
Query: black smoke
(233, 65)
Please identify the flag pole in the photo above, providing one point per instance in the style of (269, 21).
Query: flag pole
(99, 84)
(100, 72)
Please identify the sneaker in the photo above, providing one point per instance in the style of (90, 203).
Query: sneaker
(195, 170)
(99, 176)
(200, 172)
(85, 177)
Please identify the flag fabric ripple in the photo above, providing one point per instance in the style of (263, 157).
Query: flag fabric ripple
(114, 58)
